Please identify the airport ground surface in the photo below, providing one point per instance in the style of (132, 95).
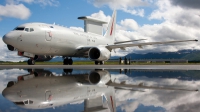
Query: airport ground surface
(168, 67)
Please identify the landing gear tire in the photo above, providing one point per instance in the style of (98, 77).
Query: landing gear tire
(101, 62)
(31, 62)
(70, 61)
(67, 61)
(96, 62)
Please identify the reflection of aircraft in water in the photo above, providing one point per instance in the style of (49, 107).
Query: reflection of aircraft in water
(37, 91)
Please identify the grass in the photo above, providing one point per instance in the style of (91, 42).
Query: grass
(92, 63)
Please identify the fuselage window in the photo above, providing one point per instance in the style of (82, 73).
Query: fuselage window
(19, 28)
(31, 29)
(27, 29)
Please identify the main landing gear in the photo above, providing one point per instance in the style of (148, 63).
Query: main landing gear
(99, 62)
(31, 62)
(67, 61)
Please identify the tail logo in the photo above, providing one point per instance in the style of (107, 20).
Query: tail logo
(111, 28)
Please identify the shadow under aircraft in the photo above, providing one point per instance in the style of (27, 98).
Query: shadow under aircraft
(41, 89)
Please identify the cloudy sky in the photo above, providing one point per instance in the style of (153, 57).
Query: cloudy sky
(154, 20)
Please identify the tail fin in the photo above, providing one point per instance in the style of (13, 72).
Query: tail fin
(110, 33)
(110, 97)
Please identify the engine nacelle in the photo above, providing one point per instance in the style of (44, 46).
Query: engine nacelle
(99, 54)
(99, 77)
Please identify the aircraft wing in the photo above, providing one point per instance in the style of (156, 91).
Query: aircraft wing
(128, 41)
(110, 47)
(141, 86)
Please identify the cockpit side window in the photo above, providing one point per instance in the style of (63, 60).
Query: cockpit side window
(19, 28)
(27, 29)
(31, 29)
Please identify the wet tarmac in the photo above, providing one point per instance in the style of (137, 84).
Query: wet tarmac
(163, 67)
(138, 88)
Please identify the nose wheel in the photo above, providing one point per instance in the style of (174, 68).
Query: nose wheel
(31, 62)
(67, 61)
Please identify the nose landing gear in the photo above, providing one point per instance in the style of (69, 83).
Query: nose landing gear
(67, 61)
(31, 62)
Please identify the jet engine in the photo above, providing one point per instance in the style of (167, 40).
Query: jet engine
(99, 54)
(99, 77)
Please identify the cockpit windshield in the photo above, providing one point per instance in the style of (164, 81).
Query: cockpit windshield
(26, 102)
(24, 29)
(19, 28)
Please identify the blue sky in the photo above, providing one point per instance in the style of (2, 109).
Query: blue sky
(65, 12)
(154, 20)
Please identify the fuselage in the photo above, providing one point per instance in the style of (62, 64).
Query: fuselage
(48, 39)
(46, 92)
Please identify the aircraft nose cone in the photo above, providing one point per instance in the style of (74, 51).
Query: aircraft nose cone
(7, 38)
(9, 95)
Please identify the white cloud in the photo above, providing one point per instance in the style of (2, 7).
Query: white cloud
(167, 99)
(16, 11)
(138, 12)
(9, 75)
(124, 5)
(16, 8)
(41, 2)
(129, 24)
(119, 4)
(7, 55)
(76, 28)
(100, 15)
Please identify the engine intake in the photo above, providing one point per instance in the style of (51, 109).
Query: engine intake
(100, 77)
(99, 54)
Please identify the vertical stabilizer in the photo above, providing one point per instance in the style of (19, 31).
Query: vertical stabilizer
(110, 97)
(110, 33)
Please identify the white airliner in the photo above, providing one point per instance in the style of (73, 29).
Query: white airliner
(41, 89)
(33, 39)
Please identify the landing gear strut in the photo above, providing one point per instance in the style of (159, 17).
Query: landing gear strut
(31, 62)
(99, 62)
(67, 61)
